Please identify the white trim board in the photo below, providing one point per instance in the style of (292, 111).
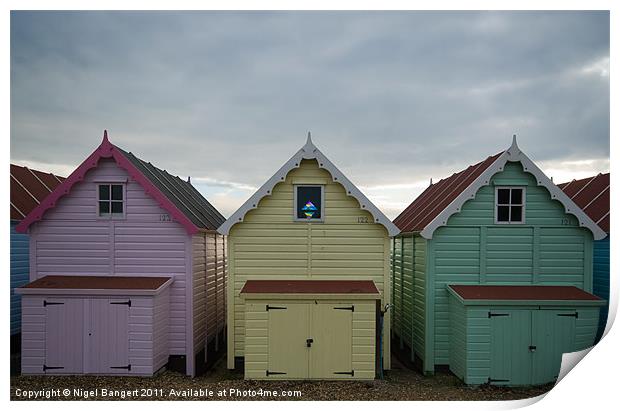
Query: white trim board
(308, 152)
(513, 154)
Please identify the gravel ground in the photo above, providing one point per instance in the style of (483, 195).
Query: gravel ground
(400, 384)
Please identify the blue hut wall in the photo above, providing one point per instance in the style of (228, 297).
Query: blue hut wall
(601, 279)
(19, 274)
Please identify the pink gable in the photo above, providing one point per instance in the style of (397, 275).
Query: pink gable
(106, 150)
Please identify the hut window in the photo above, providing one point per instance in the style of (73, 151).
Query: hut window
(510, 205)
(308, 203)
(111, 200)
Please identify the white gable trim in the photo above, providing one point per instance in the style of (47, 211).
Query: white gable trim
(513, 154)
(307, 152)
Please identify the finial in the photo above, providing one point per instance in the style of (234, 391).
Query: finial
(552, 179)
(189, 179)
(309, 146)
(105, 136)
(514, 150)
(431, 181)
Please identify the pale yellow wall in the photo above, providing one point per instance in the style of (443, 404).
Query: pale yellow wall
(268, 244)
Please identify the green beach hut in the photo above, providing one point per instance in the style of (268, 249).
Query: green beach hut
(309, 274)
(492, 274)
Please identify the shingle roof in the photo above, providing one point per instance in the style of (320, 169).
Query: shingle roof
(309, 287)
(185, 204)
(592, 195)
(73, 282)
(522, 292)
(28, 188)
(434, 207)
(437, 196)
(180, 192)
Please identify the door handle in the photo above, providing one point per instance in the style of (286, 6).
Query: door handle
(532, 348)
(309, 342)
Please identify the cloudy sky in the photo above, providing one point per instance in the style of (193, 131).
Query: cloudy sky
(393, 98)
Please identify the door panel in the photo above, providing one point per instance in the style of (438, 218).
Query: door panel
(108, 336)
(553, 333)
(330, 356)
(288, 331)
(64, 331)
(511, 360)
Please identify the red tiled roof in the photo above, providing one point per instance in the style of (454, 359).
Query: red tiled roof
(438, 196)
(309, 287)
(85, 282)
(522, 292)
(28, 188)
(592, 195)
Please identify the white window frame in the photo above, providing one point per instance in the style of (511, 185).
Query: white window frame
(309, 220)
(111, 216)
(509, 205)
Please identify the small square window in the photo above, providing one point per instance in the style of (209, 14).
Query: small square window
(309, 203)
(117, 192)
(503, 213)
(110, 200)
(509, 205)
(104, 192)
(104, 207)
(503, 196)
(516, 214)
(516, 196)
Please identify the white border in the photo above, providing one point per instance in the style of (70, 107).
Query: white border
(307, 152)
(513, 154)
(510, 204)
(311, 220)
(110, 215)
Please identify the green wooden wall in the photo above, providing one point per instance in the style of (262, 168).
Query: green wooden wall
(471, 357)
(409, 292)
(548, 249)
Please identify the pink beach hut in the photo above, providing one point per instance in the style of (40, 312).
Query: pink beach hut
(127, 272)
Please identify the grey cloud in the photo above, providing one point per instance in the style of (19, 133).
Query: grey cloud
(391, 97)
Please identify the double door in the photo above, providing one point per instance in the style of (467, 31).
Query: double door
(527, 345)
(86, 335)
(310, 340)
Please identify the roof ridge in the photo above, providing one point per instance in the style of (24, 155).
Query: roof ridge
(38, 179)
(458, 184)
(190, 200)
(595, 198)
(591, 179)
(162, 180)
(423, 205)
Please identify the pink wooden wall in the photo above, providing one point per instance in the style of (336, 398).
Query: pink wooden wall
(71, 239)
(209, 278)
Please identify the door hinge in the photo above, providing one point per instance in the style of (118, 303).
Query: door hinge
(122, 303)
(45, 368)
(575, 314)
(493, 380)
(351, 373)
(271, 307)
(532, 348)
(268, 373)
(351, 308)
(498, 315)
(126, 367)
(46, 303)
